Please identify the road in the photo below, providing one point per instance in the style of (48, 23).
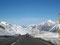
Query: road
(23, 40)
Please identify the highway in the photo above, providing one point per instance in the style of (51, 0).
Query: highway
(8, 41)
(23, 40)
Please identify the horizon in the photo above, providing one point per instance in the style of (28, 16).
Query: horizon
(30, 24)
(25, 12)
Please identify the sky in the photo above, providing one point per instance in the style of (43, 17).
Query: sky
(25, 12)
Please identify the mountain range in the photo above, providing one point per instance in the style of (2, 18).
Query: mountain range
(10, 29)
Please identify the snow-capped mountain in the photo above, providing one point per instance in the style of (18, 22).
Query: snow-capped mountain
(45, 26)
(33, 29)
(9, 29)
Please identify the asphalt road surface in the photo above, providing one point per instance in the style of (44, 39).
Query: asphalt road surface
(23, 40)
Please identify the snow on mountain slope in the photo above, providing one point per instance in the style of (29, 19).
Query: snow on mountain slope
(33, 29)
(45, 26)
(20, 29)
(3, 32)
(49, 36)
(9, 29)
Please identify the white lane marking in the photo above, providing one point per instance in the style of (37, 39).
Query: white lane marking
(15, 42)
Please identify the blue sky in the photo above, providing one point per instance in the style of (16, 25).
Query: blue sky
(25, 12)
